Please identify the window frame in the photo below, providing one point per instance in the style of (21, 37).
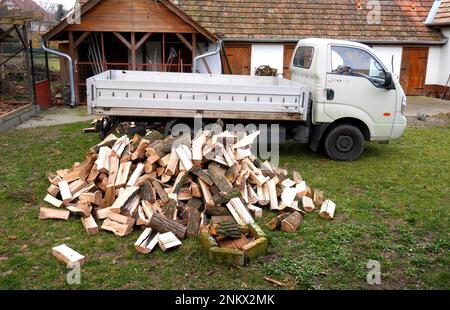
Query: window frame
(330, 69)
(312, 56)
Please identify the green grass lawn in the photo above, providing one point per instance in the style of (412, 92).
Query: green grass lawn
(393, 206)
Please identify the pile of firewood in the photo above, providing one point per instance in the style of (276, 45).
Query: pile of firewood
(176, 187)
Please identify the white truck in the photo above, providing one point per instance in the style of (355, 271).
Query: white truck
(339, 96)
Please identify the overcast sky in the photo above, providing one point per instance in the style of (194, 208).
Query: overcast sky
(68, 4)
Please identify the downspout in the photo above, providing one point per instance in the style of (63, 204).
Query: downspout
(196, 59)
(73, 99)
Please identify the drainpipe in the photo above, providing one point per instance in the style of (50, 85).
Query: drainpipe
(73, 99)
(196, 59)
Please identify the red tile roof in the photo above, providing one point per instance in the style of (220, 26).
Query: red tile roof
(442, 16)
(401, 21)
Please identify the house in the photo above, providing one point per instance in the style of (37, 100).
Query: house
(438, 74)
(166, 35)
(37, 26)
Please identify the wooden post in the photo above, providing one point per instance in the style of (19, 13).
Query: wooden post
(194, 45)
(163, 52)
(102, 40)
(28, 64)
(133, 51)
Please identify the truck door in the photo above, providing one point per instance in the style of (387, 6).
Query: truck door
(355, 88)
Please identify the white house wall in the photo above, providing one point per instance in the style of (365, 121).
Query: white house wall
(433, 66)
(385, 53)
(267, 54)
(444, 63)
(214, 62)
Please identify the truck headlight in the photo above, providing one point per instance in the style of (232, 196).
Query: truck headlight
(404, 104)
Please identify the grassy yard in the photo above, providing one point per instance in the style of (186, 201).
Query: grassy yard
(393, 206)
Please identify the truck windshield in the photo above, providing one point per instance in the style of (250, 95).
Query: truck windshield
(357, 62)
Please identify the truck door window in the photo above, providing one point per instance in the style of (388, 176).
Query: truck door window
(357, 62)
(303, 57)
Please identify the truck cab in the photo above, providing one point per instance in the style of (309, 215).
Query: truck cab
(355, 98)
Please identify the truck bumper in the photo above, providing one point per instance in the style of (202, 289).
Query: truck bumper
(399, 128)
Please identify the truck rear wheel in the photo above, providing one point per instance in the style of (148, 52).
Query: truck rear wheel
(344, 143)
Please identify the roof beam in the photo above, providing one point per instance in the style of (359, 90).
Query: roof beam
(183, 39)
(144, 38)
(81, 38)
(122, 39)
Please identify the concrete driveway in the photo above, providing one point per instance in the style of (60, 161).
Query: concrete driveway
(429, 106)
(58, 116)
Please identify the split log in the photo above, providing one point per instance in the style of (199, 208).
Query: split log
(195, 203)
(160, 191)
(147, 191)
(93, 174)
(256, 211)
(124, 198)
(195, 190)
(240, 208)
(203, 175)
(114, 162)
(66, 195)
(146, 242)
(172, 164)
(246, 141)
(318, 198)
(138, 171)
(83, 209)
(185, 155)
(139, 153)
(206, 193)
(70, 257)
(53, 190)
(194, 218)
(308, 204)
(90, 225)
(53, 214)
(93, 198)
(76, 186)
(297, 177)
(101, 214)
(218, 176)
(109, 141)
(327, 210)
(53, 201)
(168, 241)
(122, 176)
(291, 222)
(162, 224)
(273, 195)
(110, 196)
(288, 196)
(103, 159)
(118, 224)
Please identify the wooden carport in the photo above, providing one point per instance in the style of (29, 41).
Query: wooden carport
(149, 35)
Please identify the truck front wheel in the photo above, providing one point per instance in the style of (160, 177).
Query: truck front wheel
(344, 143)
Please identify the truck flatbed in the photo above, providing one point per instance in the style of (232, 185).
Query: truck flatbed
(185, 95)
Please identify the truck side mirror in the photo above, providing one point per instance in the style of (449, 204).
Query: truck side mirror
(388, 81)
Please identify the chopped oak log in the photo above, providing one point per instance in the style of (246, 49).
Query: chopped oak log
(195, 190)
(93, 198)
(291, 222)
(124, 198)
(242, 211)
(103, 159)
(83, 209)
(146, 242)
(118, 224)
(53, 214)
(160, 191)
(256, 211)
(53, 201)
(172, 164)
(101, 214)
(110, 195)
(273, 195)
(122, 176)
(53, 190)
(229, 230)
(327, 210)
(70, 257)
(185, 155)
(114, 162)
(194, 218)
(138, 171)
(297, 177)
(93, 174)
(148, 193)
(90, 225)
(162, 224)
(76, 186)
(318, 198)
(288, 196)
(168, 241)
(66, 195)
(246, 141)
(202, 174)
(139, 153)
(275, 223)
(206, 193)
(301, 189)
(308, 204)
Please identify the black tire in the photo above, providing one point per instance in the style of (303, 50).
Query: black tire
(344, 143)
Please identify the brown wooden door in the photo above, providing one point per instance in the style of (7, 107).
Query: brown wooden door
(414, 70)
(288, 52)
(239, 57)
